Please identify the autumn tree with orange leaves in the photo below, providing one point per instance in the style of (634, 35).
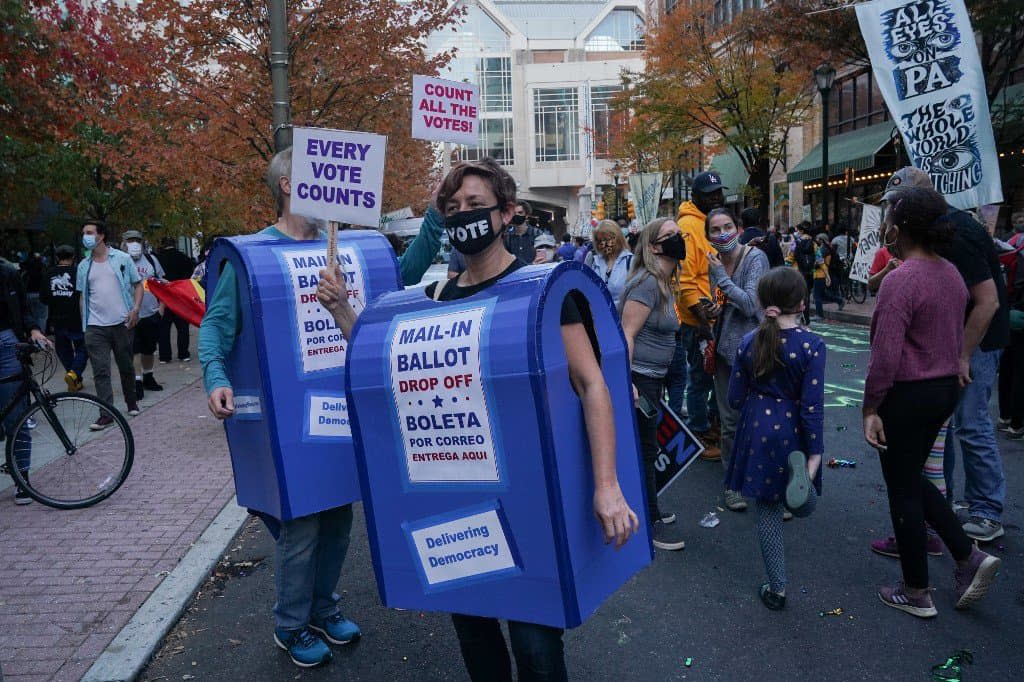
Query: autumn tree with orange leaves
(200, 123)
(741, 87)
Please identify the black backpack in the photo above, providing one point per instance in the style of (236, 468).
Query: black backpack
(804, 255)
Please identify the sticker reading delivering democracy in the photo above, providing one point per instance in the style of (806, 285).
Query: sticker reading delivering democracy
(321, 345)
(465, 547)
(441, 406)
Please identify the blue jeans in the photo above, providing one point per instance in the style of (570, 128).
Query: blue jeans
(698, 382)
(984, 481)
(675, 379)
(538, 650)
(822, 295)
(71, 350)
(309, 555)
(9, 366)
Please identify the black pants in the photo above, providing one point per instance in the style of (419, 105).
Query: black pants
(1011, 381)
(650, 388)
(538, 650)
(912, 414)
(181, 326)
(809, 284)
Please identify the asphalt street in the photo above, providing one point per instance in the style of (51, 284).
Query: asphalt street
(699, 604)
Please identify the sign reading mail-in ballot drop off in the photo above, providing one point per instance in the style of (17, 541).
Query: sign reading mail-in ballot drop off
(442, 409)
(338, 175)
(320, 343)
(445, 111)
(466, 547)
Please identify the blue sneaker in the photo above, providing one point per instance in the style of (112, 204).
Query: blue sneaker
(304, 648)
(336, 628)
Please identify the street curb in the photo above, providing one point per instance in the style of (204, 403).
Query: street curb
(138, 640)
(849, 318)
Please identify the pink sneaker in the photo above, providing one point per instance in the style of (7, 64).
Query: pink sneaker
(897, 597)
(971, 582)
(887, 547)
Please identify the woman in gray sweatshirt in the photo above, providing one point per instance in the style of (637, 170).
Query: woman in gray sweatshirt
(735, 271)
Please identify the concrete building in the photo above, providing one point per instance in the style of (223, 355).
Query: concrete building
(547, 70)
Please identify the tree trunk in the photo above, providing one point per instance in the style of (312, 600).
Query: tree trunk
(760, 182)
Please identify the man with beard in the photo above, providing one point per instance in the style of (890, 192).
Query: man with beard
(310, 550)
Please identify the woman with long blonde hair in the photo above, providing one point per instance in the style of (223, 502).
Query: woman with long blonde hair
(650, 324)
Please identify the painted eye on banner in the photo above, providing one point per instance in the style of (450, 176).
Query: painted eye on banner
(942, 41)
(959, 102)
(953, 159)
(904, 49)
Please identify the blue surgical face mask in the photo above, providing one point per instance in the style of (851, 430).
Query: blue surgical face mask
(89, 241)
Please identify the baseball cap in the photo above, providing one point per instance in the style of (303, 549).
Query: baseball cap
(132, 234)
(708, 182)
(544, 240)
(908, 176)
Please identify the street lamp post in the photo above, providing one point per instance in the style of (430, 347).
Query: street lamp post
(824, 75)
(281, 99)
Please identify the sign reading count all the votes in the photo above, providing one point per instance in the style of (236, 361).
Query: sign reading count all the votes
(320, 343)
(441, 406)
(338, 175)
(445, 111)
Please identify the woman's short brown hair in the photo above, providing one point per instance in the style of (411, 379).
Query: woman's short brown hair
(609, 228)
(502, 184)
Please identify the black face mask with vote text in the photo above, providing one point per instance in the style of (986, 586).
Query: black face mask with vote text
(470, 232)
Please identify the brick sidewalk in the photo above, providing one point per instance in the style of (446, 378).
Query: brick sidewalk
(70, 580)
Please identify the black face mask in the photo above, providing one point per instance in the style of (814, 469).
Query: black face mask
(470, 232)
(674, 247)
(518, 220)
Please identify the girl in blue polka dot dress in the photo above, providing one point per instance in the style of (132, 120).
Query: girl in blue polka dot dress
(778, 385)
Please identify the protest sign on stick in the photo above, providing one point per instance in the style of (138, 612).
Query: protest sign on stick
(338, 175)
(445, 111)
(867, 244)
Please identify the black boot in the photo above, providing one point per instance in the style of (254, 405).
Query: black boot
(150, 383)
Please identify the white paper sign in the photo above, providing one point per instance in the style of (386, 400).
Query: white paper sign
(328, 416)
(440, 401)
(248, 407)
(445, 111)
(466, 547)
(926, 64)
(338, 175)
(868, 243)
(321, 345)
(646, 189)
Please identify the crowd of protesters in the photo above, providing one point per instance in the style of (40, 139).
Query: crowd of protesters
(715, 312)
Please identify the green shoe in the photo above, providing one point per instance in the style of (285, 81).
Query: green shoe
(799, 486)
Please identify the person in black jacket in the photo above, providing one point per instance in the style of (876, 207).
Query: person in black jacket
(176, 266)
(753, 234)
(58, 293)
(17, 324)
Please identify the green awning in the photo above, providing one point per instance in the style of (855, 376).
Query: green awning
(734, 175)
(854, 150)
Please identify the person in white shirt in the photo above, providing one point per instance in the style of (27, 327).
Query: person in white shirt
(147, 331)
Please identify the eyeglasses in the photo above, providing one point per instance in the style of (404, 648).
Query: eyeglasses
(605, 241)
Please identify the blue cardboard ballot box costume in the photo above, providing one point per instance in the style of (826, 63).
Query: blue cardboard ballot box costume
(290, 438)
(473, 454)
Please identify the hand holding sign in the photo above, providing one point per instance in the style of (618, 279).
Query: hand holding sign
(332, 293)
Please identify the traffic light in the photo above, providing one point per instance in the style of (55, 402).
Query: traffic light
(599, 214)
(631, 210)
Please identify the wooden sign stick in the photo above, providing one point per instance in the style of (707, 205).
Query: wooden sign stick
(332, 246)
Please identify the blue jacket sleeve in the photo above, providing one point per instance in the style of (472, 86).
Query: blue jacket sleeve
(218, 330)
(416, 260)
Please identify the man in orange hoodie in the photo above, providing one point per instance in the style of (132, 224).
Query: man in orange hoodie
(694, 284)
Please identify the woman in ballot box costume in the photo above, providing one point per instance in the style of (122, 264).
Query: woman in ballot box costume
(477, 199)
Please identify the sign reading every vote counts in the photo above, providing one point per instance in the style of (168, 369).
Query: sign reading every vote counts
(441, 406)
(321, 345)
(338, 175)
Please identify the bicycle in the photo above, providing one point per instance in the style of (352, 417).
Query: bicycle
(851, 289)
(54, 452)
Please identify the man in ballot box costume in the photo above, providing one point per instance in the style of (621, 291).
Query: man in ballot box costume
(311, 549)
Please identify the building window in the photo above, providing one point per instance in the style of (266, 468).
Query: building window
(856, 103)
(606, 121)
(495, 141)
(477, 32)
(556, 123)
(621, 30)
(494, 74)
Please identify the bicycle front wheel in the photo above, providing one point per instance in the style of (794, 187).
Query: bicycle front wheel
(859, 292)
(71, 451)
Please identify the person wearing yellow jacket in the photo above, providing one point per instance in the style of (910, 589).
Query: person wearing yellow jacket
(693, 285)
